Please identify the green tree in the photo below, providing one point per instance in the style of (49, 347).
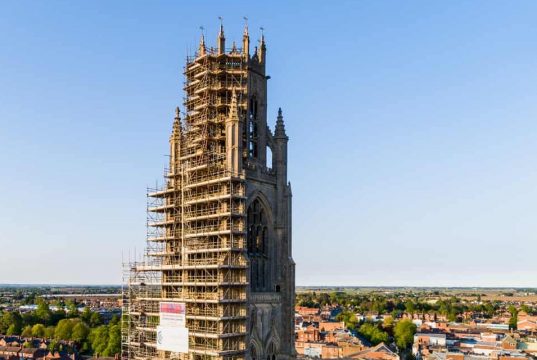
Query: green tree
(43, 312)
(86, 315)
(58, 315)
(95, 320)
(80, 332)
(114, 341)
(452, 316)
(53, 346)
(38, 330)
(513, 321)
(410, 307)
(13, 330)
(99, 339)
(489, 309)
(114, 320)
(64, 329)
(349, 318)
(72, 310)
(372, 333)
(404, 333)
(49, 332)
(379, 306)
(29, 318)
(387, 323)
(27, 331)
(11, 322)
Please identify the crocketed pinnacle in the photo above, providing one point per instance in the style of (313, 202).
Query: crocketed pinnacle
(177, 126)
(201, 50)
(246, 39)
(280, 126)
(221, 38)
(233, 108)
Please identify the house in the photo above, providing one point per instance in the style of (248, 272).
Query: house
(527, 325)
(10, 341)
(489, 337)
(331, 325)
(454, 356)
(9, 352)
(308, 314)
(56, 355)
(305, 311)
(318, 350)
(31, 353)
(522, 315)
(348, 349)
(379, 352)
(430, 339)
(508, 343)
(311, 333)
(529, 347)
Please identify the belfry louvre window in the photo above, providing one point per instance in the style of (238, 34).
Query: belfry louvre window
(257, 245)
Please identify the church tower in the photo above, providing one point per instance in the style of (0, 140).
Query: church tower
(217, 279)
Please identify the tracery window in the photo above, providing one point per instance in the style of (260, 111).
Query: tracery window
(252, 128)
(271, 352)
(257, 244)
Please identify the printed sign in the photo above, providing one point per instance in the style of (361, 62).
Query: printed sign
(172, 334)
(172, 314)
(174, 339)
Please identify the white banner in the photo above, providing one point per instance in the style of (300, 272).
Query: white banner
(172, 314)
(173, 339)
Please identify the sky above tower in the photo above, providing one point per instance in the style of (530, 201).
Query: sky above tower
(412, 134)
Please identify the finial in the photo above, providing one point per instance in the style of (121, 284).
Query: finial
(177, 127)
(202, 42)
(246, 40)
(221, 38)
(245, 26)
(233, 47)
(221, 25)
(262, 47)
(280, 127)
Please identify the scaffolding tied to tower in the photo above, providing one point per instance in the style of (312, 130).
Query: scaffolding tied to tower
(188, 297)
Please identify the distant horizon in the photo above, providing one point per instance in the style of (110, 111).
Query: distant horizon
(301, 286)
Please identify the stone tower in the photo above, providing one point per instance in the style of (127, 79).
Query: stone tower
(219, 229)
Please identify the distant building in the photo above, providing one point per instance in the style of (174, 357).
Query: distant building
(379, 352)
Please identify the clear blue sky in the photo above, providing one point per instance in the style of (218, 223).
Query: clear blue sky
(413, 130)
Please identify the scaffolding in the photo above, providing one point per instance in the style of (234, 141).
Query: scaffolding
(196, 225)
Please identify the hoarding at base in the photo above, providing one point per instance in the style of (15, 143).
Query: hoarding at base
(174, 339)
(172, 334)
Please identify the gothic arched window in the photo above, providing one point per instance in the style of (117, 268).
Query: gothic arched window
(252, 128)
(271, 352)
(257, 245)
